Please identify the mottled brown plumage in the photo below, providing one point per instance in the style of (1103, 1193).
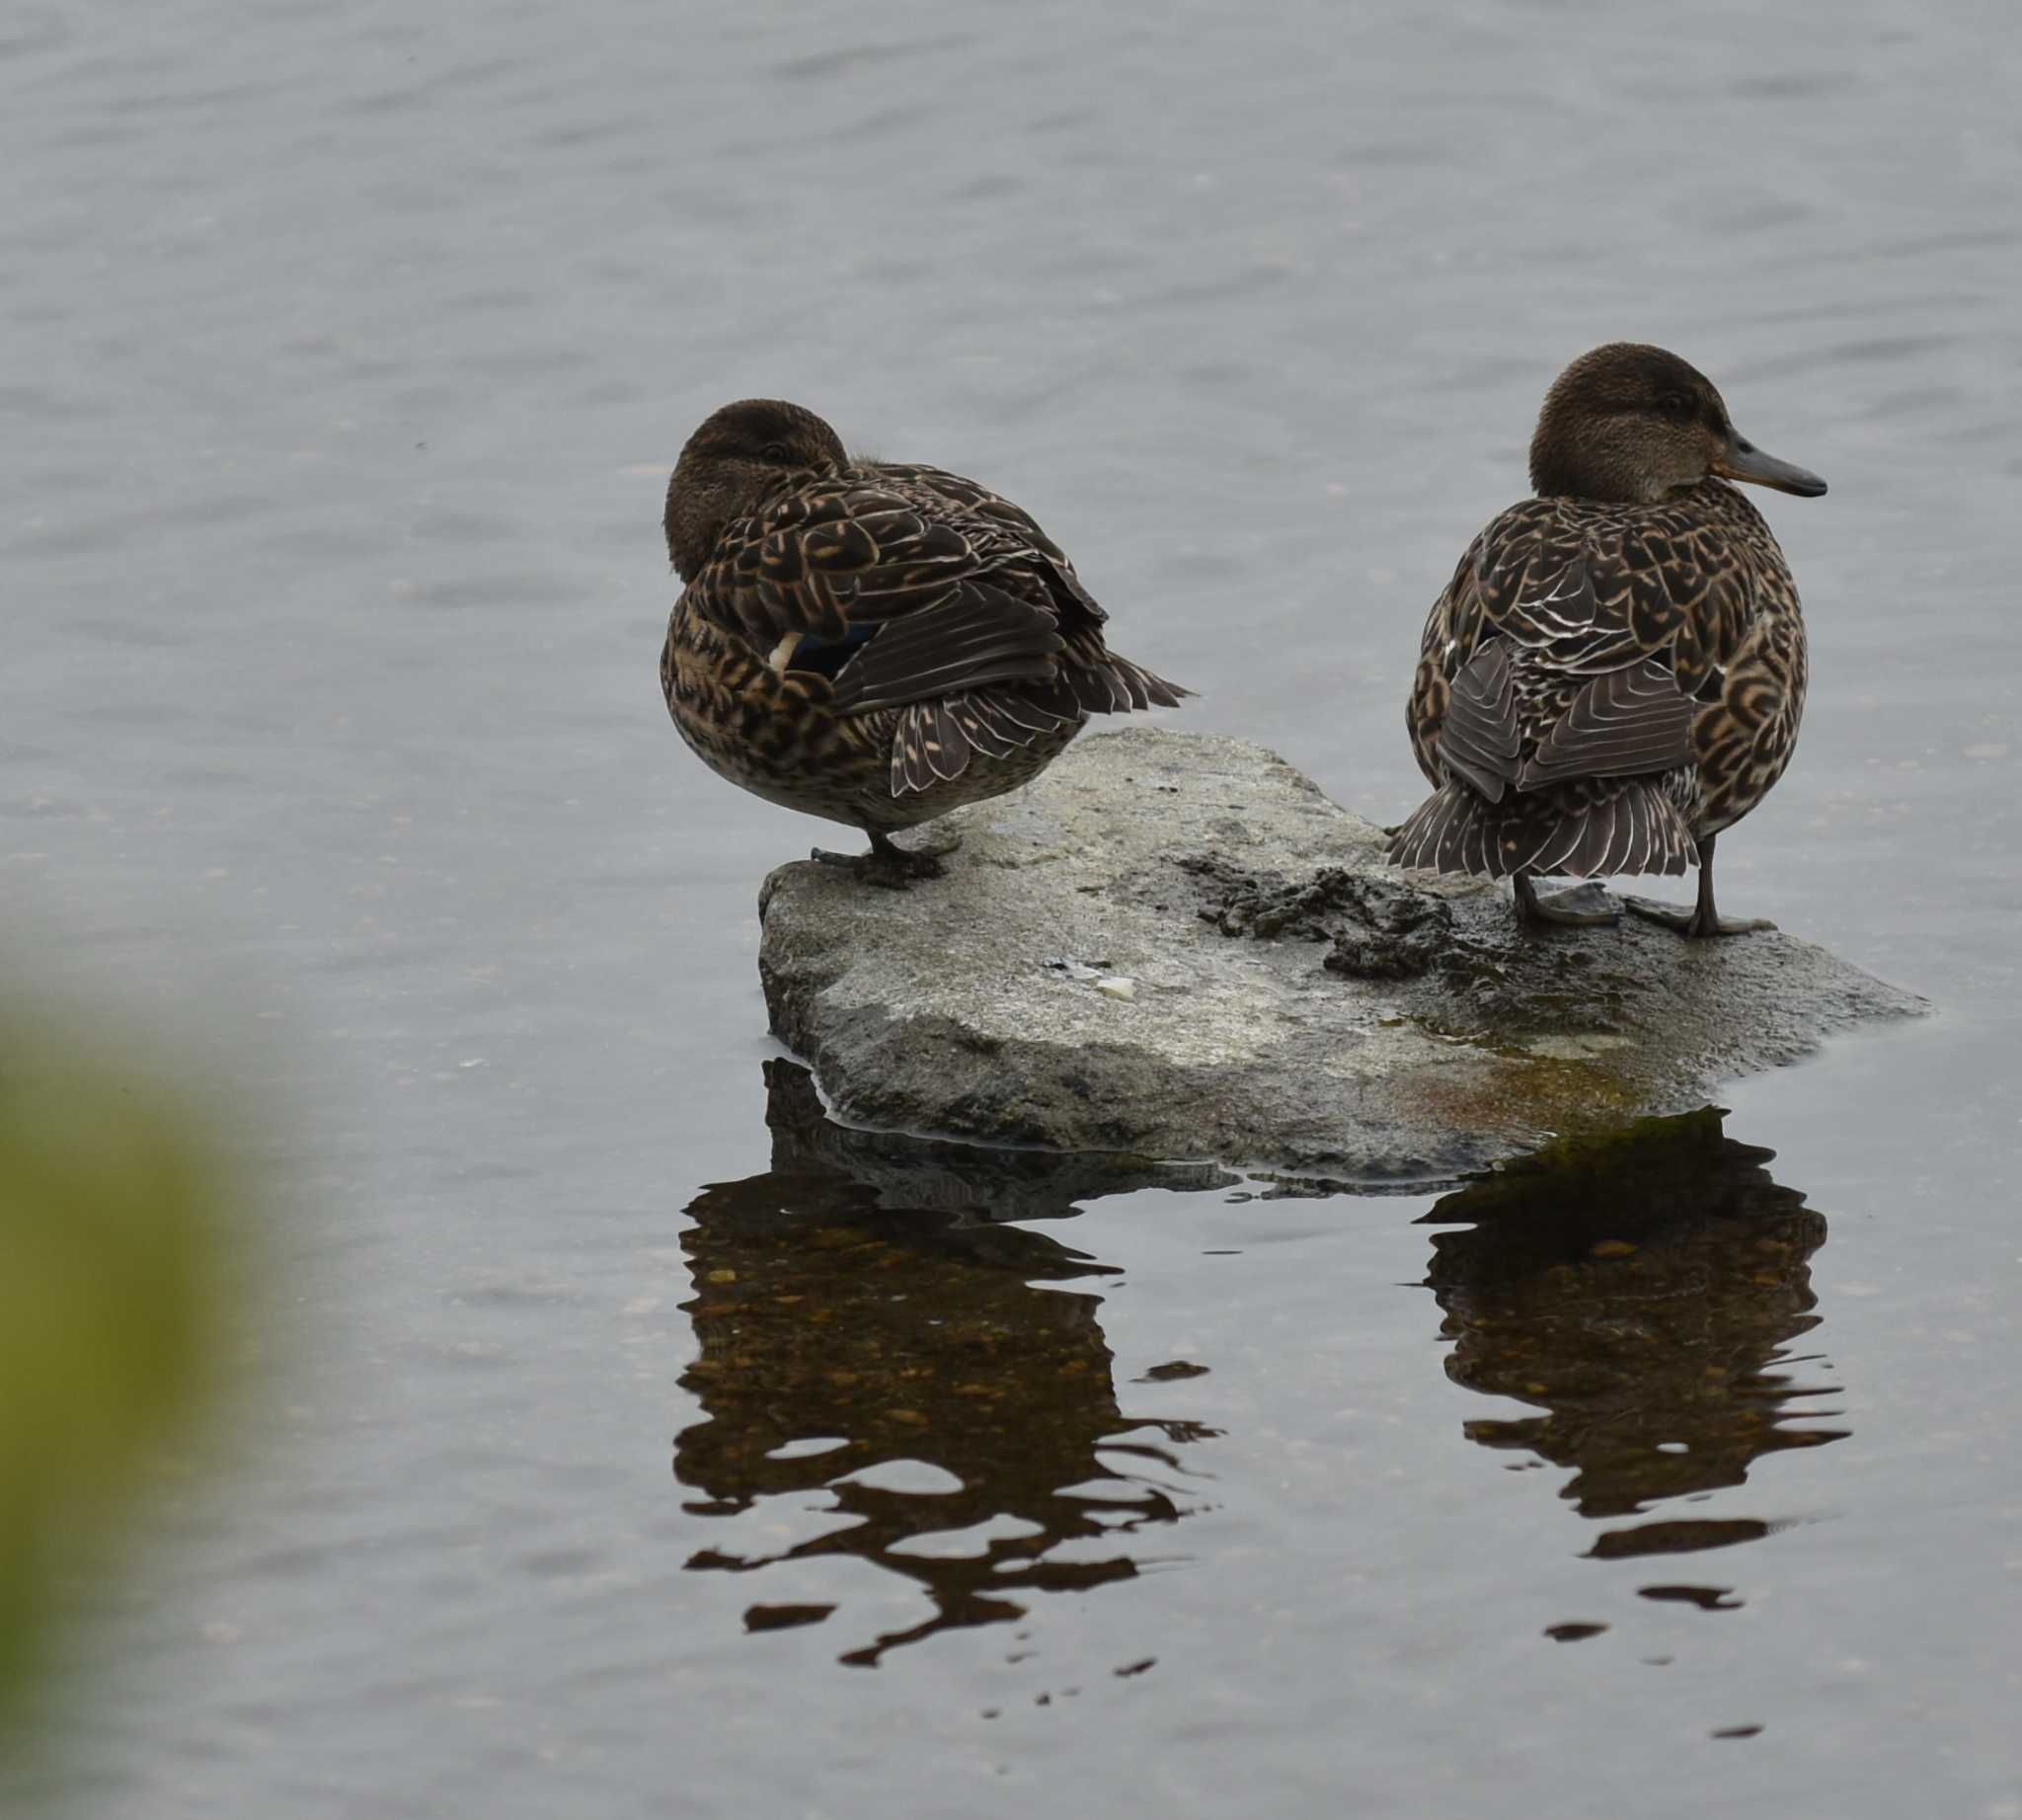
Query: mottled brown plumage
(869, 642)
(1617, 669)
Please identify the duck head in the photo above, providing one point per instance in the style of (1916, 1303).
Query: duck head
(1638, 425)
(739, 455)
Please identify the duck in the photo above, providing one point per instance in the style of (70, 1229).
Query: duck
(872, 642)
(1615, 673)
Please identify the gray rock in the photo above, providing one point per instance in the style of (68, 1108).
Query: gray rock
(1174, 946)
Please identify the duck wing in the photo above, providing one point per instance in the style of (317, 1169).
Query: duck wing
(977, 634)
(908, 584)
(1623, 723)
(1096, 680)
(1480, 741)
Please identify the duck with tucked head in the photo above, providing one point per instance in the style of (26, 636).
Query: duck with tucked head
(872, 643)
(1616, 671)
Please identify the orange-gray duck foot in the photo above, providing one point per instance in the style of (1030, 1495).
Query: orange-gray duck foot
(1585, 907)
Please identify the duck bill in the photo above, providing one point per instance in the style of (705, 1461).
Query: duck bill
(1742, 461)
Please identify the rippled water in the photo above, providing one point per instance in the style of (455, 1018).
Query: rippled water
(634, 1459)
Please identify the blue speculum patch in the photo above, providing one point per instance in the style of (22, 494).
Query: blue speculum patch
(827, 656)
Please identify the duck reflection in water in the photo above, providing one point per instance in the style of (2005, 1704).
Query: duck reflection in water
(1642, 1291)
(866, 1291)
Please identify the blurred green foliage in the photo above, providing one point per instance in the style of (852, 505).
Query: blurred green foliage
(115, 1209)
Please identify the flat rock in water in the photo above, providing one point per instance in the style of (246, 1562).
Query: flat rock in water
(1173, 945)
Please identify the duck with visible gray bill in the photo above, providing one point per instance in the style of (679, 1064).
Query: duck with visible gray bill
(1616, 672)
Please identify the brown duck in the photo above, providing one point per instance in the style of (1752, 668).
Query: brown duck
(1616, 671)
(869, 642)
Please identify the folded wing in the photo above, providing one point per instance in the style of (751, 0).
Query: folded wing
(1622, 724)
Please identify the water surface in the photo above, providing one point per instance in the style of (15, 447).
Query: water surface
(347, 351)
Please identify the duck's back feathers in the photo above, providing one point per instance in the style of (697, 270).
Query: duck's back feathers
(1589, 585)
(994, 522)
(832, 553)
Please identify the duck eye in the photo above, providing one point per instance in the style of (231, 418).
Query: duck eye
(775, 451)
(1675, 405)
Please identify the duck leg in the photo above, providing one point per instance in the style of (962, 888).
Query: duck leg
(1585, 907)
(888, 864)
(1703, 919)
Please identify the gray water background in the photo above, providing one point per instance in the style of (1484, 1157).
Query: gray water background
(345, 350)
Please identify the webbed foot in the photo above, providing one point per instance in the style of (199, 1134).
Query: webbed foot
(1694, 923)
(889, 865)
(1584, 906)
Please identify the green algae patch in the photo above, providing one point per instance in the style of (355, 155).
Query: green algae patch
(1534, 1098)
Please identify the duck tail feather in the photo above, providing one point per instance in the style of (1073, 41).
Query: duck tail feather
(1445, 833)
(1634, 826)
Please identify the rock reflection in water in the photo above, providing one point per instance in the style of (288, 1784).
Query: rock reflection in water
(864, 1290)
(1642, 1293)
